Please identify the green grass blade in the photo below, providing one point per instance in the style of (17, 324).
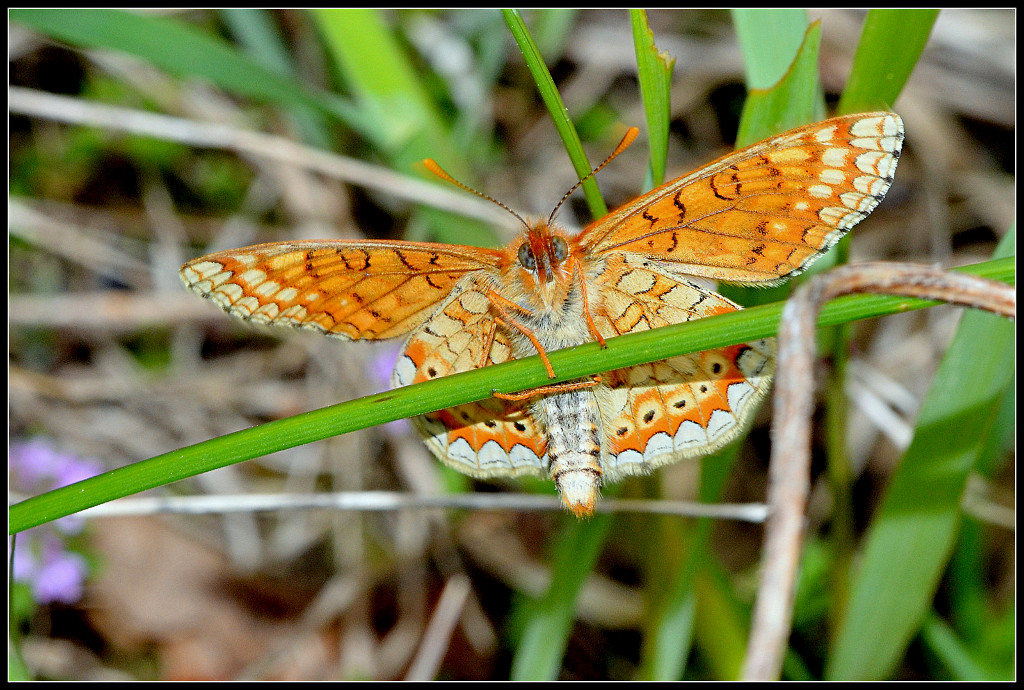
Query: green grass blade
(549, 619)
(770, 39)
(792, 101)
(654, 70)
(673, 609)
(518, 375)
(256, 32)
(559, 114)
(382, 79)
(183, 51)
(407, 126)
(889, 47)
(910, 538)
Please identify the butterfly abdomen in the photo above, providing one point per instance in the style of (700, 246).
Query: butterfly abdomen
(573, 422)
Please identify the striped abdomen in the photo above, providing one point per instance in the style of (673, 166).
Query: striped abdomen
(573, 423)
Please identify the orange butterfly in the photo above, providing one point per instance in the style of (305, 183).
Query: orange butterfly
(756, 216)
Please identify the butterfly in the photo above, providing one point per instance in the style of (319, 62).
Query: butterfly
(755, 216)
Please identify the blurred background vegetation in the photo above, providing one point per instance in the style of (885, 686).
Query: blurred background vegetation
(296, 125)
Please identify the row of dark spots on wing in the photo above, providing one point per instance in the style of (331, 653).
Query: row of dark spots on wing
(680, 222)
(716, 370)
(489, 423)
(734, 179)
(349, 259)
(650, 414)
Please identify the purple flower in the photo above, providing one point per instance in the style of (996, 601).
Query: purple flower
(53, 573)
(41, 558)
(381, 364)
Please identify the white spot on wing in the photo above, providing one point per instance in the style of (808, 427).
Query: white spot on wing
(404, 373)
(492, 456)
(820, 191)
(460, 451)
(690, 433)
(659, 444)
(521, 456)
(832, 176)
(738, 394)
(719, 423)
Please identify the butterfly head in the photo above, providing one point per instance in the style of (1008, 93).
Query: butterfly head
(542, 264)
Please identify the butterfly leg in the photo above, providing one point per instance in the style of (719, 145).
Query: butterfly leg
(546, 390)
(503, 305)
(591, 326)
(488, 344)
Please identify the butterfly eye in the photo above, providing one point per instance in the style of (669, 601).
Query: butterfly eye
(526, 257)
(559, 249)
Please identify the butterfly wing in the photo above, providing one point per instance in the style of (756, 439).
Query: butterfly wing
(347, 289)
(763, 212)
(489, 438)
(684, 406)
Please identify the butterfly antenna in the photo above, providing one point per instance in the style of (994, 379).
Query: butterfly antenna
(627, 140)
(431, 165)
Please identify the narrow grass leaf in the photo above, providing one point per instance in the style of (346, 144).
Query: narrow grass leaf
(654, 70)
(792, 101)
(407, 126)
(769, 39)
(182, 51)
(889, 47)
(910, 538)
(550, 618)
(559, 114)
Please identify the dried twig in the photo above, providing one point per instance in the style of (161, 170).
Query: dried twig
(789, 472)
(377, 501)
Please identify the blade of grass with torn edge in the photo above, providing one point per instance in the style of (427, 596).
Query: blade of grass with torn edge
(654, 71)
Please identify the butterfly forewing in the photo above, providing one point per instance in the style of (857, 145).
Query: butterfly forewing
(766, 211)
(351, 290)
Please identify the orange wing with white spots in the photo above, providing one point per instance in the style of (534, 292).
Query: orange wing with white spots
(347, 289)
(766, 211)
(682, 407)
(492, 437)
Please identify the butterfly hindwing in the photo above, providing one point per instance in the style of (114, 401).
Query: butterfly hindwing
(685, 406)
(489, 438)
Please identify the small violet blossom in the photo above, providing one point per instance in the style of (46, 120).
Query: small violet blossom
(41, 559)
